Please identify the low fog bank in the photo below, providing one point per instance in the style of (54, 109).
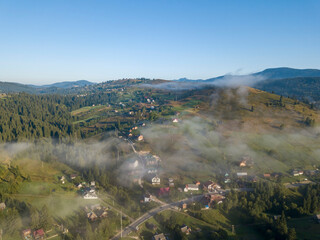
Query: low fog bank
(198, 145)
(205, 144)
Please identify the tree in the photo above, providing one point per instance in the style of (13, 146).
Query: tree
(12, 221)
(35, 218)
(292, 234)
(281, 226)
(44, 217)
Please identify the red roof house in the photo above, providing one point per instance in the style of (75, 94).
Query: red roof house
(164, 191)
(38, 234)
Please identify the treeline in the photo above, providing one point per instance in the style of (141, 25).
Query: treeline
(29, 117)
(25, 116)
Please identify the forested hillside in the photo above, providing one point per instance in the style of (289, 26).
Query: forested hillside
(26, 116)
(303, 88)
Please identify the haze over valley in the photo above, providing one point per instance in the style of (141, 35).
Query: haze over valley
(159, 120)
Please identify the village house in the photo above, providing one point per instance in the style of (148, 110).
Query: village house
(62, 179)
(185, 229)
(73, 176)
(102, 213)
(266, 175)
(155, 180)
(175, 120)
(92, 216)
(2, 206)
(243, 163)
(184, 206)
(242, 174)
(191, 187)
(159, 237)
(151, 160)
(38, 234)
(163, 192)
(207, 186)
(246, 161)
(171, 183)
(96, 211)
(90, 195)
(79, 186)
(147, 198)
(140, 138)
(211, 199)
(227, 180)
(297, 173)
(317, 218)
(26, 234)
(211, 186)
(152, 170)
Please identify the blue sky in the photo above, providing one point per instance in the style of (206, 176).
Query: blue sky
(48, 41)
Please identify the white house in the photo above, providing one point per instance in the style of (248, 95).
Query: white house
(155, 180)
(62, 179)
(147, 198)
(242, 174)
(191, 187)
(175, 120)
(297, 173)
(90, 195)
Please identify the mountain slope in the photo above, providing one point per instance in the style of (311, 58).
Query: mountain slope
(10, 87)
(269, 73)
(307, 88)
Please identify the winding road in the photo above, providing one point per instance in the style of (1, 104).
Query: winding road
(133, 226)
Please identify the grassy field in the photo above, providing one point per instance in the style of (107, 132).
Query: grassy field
(85, 110)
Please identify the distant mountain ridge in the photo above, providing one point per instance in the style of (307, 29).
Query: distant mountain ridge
(269, 73)
(69, 84)
(12, 87)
